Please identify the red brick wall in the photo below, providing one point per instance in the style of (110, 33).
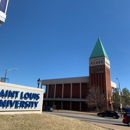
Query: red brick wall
(102, 80)
(108, 87)
(75, 90)
(58, 91)
(51, 91)
(96, 79)
(83, 90)
(67, 90)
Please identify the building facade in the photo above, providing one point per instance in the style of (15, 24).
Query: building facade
(71, 93)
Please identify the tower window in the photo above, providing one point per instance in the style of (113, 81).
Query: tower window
(91, 63)
(99, 62)
(102, 61)
(52, 91)
(102, 70)
(96, 62)
(99, 70)
(91, 70)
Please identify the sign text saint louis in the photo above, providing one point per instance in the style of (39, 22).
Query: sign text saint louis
(17, 99)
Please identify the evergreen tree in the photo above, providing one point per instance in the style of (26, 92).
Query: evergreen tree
(125, 97)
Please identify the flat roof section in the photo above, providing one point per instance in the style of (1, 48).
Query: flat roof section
(66, 80)
(84, 79)
(113, 85)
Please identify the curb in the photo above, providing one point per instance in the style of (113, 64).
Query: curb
(103, 126)
(76, 112)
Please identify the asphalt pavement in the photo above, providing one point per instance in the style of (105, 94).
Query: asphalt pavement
(111, 124)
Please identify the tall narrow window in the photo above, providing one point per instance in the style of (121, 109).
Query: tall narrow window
(91, 70)
(97, 70)
(52, 91)
(102, 70)
(94, 70)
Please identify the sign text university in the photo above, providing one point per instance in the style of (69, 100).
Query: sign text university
(23, 102)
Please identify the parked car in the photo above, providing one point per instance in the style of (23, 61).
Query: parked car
(108, 113)
(47, 108)
(126, 119)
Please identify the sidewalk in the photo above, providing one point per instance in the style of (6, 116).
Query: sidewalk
(76, 112)
(113, 126)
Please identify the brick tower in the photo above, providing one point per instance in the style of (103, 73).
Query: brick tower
(99, 72)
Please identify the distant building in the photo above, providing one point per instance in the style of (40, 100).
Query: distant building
(71, 93)
(3, 10)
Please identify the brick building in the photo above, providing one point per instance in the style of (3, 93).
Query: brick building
(71, 93)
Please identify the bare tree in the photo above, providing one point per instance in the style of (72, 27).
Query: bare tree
(95, 97)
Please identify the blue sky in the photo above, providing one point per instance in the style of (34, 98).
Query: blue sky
(54, 39)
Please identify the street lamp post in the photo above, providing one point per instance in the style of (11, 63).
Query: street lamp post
(38, 82)
(120, 95)
(7, 72)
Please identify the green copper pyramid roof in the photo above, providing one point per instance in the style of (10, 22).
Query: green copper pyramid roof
(98, 50)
